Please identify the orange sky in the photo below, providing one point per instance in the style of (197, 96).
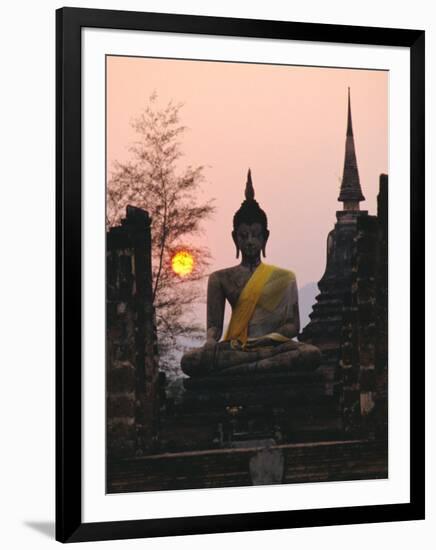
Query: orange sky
(286, 123)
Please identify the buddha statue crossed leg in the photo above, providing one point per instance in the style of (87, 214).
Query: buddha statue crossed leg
(264, 301)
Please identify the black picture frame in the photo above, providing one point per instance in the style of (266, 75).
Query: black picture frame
(69, 525)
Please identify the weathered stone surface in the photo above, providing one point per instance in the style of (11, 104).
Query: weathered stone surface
(121, 377)
(364, 371)
(122, 405)
(217, 411)
(303, 463)
(325, 329)
(349, 320)
(132, 369)
(267, 467)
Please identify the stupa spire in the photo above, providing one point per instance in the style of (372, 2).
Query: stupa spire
(351, 192)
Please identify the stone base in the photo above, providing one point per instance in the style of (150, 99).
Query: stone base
(219, 411)
(238, 467)
(253, 380)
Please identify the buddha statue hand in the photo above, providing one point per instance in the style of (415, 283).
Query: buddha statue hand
(259, 342)
(200, 361)
(210, 343)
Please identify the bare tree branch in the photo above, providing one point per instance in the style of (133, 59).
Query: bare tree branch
(154, 180)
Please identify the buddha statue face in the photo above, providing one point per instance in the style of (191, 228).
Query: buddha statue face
(250, 225)
(250, 239)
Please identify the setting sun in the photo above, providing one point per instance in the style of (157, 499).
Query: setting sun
(182, 263)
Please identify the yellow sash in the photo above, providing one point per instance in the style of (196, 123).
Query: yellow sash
(247, 301)
(264, 288)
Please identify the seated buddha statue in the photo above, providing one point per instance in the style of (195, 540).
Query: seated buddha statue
(264, 301)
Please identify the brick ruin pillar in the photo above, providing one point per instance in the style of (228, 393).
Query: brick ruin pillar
(359, 329)
(365, 327)
(380, 414)
(131, 356)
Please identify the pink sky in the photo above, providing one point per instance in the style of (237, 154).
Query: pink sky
(286, 123)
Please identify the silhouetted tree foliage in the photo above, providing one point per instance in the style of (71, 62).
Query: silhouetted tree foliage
(154, 180)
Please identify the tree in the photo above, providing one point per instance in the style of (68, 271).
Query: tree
(154, 180)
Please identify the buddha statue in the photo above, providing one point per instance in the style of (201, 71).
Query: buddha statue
(264, 301)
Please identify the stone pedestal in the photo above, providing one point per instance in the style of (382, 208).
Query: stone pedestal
(230, 411)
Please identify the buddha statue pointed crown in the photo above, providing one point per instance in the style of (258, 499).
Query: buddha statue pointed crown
(250, 212)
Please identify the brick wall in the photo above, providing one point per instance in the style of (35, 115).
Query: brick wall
(365, 327)
(131, 354)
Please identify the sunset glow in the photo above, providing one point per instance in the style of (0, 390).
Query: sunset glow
(182, 263)
(290, 130)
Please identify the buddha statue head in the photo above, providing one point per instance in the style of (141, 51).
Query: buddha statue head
(250, 226)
